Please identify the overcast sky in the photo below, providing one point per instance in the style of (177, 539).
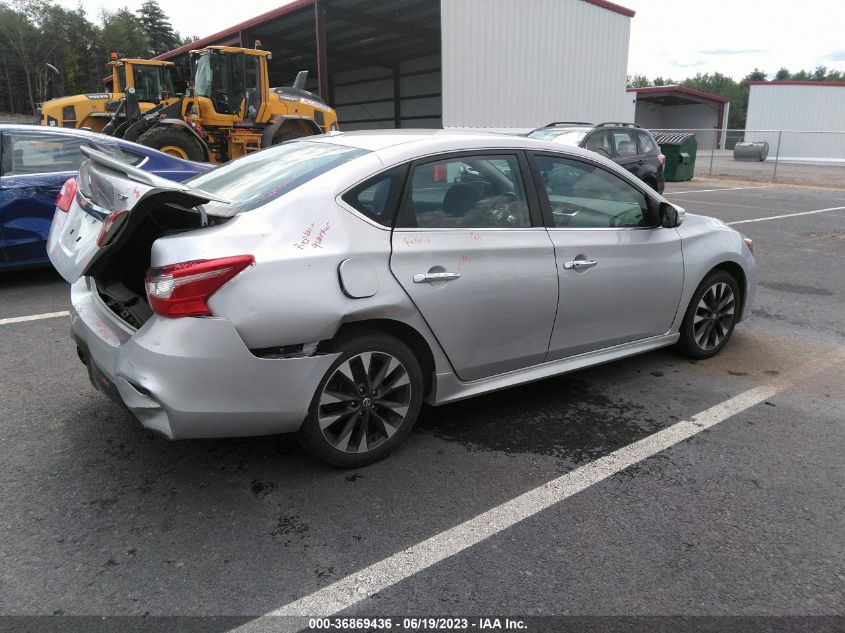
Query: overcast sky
(669, 38)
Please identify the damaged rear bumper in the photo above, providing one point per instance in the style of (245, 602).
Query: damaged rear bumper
(191, 377)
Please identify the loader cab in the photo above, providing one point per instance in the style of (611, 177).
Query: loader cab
(233, 80)
(151, 80)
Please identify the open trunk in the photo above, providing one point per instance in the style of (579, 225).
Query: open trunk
(116, 214)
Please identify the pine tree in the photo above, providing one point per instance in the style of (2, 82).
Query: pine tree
(121, 33)
(156, 25)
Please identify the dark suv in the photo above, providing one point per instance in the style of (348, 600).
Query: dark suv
(627, 144)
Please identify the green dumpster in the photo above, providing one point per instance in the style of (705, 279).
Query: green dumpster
(679, 150)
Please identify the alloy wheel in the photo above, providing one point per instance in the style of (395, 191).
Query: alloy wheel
(714, 316)
(364, 402)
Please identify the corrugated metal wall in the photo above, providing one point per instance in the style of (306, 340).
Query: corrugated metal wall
(522, 64)
(364, 98)
(799, 109)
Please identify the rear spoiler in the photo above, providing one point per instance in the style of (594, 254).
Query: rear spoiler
(145, 177)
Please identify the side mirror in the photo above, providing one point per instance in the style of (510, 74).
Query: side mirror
(671, 215)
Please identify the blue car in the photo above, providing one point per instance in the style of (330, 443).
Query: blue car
(34, 164)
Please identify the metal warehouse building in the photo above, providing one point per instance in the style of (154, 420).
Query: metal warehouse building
(798, 116)
(447, 63)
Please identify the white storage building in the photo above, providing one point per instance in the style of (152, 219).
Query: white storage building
(802, 116)
(447, 63)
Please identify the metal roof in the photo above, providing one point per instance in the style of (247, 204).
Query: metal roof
(366, 23)
(359, 32)
(235, 30)
(840, 84)
(611, 6)
(678, 92)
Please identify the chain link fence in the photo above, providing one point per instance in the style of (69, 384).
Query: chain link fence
(815, 158)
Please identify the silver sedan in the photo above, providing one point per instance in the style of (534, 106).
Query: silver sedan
(331, 286)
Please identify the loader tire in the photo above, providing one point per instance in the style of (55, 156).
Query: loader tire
(173, 142)
(291, 130)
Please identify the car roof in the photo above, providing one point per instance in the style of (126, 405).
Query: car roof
(563, 128)
(24, 127)
(406, 144)
(92, 136)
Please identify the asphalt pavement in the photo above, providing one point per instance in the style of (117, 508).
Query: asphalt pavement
(744, 518)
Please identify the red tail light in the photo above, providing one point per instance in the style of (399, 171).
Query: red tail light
(662, 159)
(181, 290)
(66, 195)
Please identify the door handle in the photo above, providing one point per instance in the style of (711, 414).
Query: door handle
(579, 264)
(427, 278)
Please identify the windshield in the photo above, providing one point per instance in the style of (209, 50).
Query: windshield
(255, 179)
(113, 149)
(149, 81)
(566, 136)
(212, 81)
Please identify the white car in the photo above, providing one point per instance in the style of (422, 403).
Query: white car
(329, 286)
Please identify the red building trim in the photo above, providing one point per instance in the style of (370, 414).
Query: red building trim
(681, 89)
(840, 84)
(610, 6)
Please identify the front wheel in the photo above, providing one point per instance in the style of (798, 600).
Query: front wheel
(366, 404)
(173, 142)
(711, 316)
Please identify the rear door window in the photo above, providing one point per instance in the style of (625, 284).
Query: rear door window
(647, 145)
(483, 191)
(625, 143)
(256, 179)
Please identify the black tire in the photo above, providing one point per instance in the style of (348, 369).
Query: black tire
(707, 336)
(183, 144)
(365, 416)
(290, 130)
(651, 182)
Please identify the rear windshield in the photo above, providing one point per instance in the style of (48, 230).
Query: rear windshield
(256, 179)
(564, 137)
(114, 150)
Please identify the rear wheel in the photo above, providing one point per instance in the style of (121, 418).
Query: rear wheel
(711, 316)
(173, 142)
(367, 402)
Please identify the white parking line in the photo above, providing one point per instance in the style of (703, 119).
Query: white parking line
(34, 317)
(722, 205)
(786, 215)
(675, 193)
(364, 584)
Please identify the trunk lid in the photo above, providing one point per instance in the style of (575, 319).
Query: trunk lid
(106, 188)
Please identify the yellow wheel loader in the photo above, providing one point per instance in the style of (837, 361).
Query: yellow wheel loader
(230, 110)
(149, 78)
